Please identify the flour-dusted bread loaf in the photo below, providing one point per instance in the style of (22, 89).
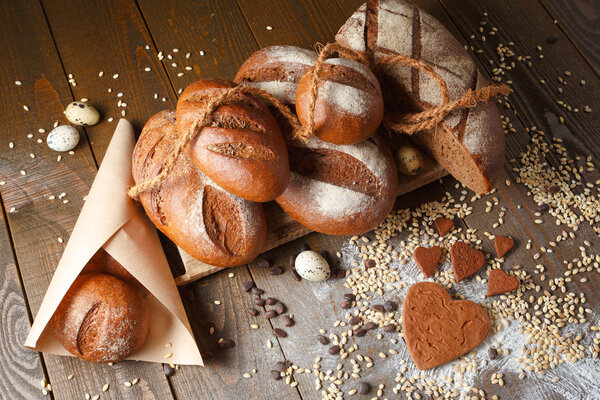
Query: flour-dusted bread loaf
(470, 142)
(340, 189)
(209, 223)
(243, 150)
(101, 319)
(349, 105)
(277, 69)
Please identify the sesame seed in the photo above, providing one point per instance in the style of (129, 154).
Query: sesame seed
(115, 76)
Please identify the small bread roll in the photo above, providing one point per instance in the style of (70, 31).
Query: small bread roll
(101, 319)
(349, 104)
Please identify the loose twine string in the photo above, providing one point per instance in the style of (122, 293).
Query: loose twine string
(409, 123)
(216, 98)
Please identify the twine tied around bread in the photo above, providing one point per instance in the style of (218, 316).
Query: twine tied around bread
(215, 99)
(409, 123)
(330, 48)
(431, 117)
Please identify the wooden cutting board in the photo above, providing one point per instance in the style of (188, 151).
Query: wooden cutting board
(282, 228)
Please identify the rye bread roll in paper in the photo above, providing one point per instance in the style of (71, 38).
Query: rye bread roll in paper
(349, 105)
(209, 223)
(470, 142)
(243, 150)
(277, 70)
(340, 189)
(101, 319)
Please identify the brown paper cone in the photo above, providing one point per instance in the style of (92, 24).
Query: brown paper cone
(111, 220)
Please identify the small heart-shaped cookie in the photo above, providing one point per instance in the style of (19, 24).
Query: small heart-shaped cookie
(500, 282)
(465, 260)
(443, 225)
(503, 244)
(438, 329)
(427, 259)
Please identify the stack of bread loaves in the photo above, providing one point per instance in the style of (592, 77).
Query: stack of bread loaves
(205, 168)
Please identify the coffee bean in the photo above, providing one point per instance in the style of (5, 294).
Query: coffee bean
(334, 349)
(322, 339)
(253, 312)
(248, 286)
(363, 388)
(292, 261)
(552, 39)
(270, 314)
(492, 353)
(390, 306)
(279, 332)
(346, 304)
(296, 275)
(304, 246)
(359, 332)
(263, 263)
(341, 273)
(169, 371)
(287, 321)
(378, 308)
(370, 325)
(280, 308)
(276, 375)
(257, 291)
(276, 270)
(354, 320)
(271, 301)
(282, 366)
(259, 301)
(369, 263)
(543, 207)
(227, 344)
(349, 296)
(389, 328)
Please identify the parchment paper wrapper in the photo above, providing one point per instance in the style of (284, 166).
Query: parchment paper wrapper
(111, 220)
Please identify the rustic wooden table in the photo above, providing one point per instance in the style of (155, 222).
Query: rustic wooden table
(54, 52)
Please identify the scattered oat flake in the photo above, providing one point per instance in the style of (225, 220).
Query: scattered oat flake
(18, 83)
(25, 108)
(269, 28)
(115, 76)
(11, 145)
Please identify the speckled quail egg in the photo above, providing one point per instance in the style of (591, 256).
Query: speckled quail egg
(312, 266)
(83, 114)
(63, 138)
(410, 160)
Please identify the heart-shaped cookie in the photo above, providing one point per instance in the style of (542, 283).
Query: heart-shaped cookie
(427, 258)
(438, 329)
(465, 260)
(443, 225)
(503, 244)
(500, 282)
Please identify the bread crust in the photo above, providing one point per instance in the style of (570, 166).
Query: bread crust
(349, 105)
(470, 142)
(101, 319)
(340, 189)
(243, 151)
(207, 222)
(277, 69)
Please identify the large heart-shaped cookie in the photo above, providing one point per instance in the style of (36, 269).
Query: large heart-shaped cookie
(465, 260)
(438, 329)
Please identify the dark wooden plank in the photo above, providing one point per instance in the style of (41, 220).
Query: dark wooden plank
(21, 370)
(116, 41)
(37, 223)
(580, 20)
(218, 30)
